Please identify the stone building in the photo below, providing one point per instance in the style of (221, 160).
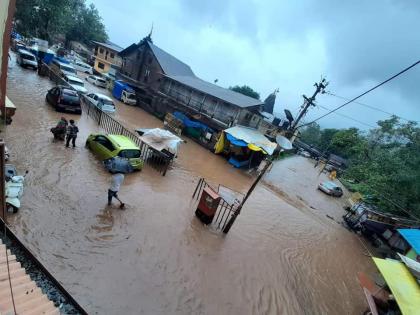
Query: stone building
(164, 83)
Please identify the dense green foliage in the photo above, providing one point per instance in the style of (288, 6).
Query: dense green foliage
(384, 162)
(245, 90)
(69, 19)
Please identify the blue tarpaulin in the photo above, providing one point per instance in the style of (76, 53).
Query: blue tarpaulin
(234, 141)
(188, 123)
(412, 236)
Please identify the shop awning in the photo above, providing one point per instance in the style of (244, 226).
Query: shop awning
(254, 139)
(412, 236)
(402, 285)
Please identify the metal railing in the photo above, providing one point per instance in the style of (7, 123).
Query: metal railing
(156, 159)
(225, 210)
(152, 157)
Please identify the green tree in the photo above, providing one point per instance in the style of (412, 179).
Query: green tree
(85, 24)
(386, 162)
(245, 90)
(48, 19)
(311, 135)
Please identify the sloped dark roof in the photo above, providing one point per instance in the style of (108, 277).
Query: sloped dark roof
(170, 65)
(226, 95)
(110, 45)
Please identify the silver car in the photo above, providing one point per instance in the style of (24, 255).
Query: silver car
(26, 59)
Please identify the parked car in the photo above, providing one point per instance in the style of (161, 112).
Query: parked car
(62, 68)
(82, 67)
(109, 146)
(98, 81)
(330, 188)
(76, 83)
(103, 102)
(64, 99)
(26, 59)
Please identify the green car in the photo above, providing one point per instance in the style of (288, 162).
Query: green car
(109, 146)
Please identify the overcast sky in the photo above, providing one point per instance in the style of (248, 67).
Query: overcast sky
(288, 45)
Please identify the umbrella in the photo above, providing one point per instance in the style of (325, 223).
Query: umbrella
(118, 165)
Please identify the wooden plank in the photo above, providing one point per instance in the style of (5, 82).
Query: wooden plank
(10, 258)
(13, 274)
(28, 297)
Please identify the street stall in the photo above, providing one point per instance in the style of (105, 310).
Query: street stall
(161, 140)
(195, 129)
(244, 147)
(399, 294)
(412, 236)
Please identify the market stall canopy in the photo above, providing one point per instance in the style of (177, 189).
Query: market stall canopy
(160, 139)
(412, 265)
(251, 138)
(402, 285)
(412, 236)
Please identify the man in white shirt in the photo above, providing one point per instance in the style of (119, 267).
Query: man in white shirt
(116, 181)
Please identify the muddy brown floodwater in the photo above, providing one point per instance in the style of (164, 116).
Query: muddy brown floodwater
(282, 256)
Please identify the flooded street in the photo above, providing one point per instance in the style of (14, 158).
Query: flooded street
(282, 256)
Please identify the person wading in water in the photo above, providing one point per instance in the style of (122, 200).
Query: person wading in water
(72, 131)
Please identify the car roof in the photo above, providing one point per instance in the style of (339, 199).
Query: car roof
(64, 64)
(64, 88)
(330, 183)
(24, 51)
(123, 142)
(72, 77)
(102, 96)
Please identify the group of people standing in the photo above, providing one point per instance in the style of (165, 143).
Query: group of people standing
(66, 130)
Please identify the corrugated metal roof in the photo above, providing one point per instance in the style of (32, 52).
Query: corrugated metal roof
(110, 45)
(170, 65)
(226, 95)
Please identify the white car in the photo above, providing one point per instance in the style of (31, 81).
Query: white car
(82, 67)
(103, 102)
(76, 83)
(26, 59)
(98, 81)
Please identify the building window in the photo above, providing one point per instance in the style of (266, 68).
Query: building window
(101, 65)
(150, 60)
(146, 75)
(112, 55)
(101, 50)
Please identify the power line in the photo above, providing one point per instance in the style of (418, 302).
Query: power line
(345, 116)
(364, 93)
(368, 106)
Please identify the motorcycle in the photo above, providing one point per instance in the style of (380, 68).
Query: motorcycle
(14, 188)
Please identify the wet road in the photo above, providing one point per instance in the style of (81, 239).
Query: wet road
(282, 256)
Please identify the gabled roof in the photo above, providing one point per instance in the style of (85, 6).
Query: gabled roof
(226, 95)
(170, 65)
(109, 45)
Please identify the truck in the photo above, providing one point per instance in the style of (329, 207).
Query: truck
(124, 93)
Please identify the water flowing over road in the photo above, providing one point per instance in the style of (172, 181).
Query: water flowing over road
(282, 255)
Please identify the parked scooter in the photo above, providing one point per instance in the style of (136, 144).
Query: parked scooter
(14, 188)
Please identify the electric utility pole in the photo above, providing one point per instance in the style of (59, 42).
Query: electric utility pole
(320, 88)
